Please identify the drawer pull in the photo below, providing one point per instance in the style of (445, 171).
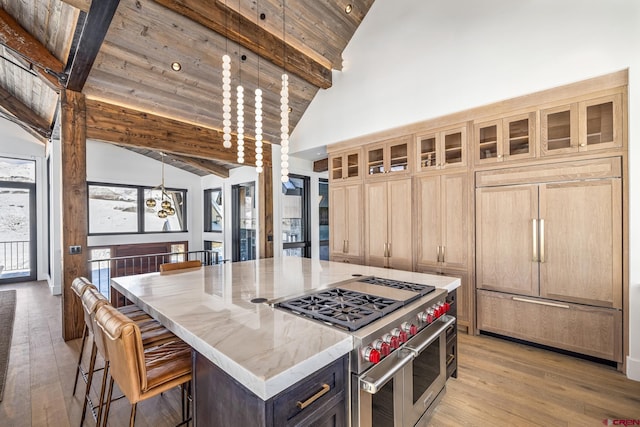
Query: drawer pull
(532, 301)
(318, 395)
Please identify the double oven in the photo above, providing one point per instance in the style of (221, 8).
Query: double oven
(403, 390)
(398, 367)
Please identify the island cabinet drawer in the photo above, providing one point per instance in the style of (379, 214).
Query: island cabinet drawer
(319, 399)
(593, 331)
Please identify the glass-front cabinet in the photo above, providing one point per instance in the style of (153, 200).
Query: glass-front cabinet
(594, 124)
(346, 165)
(442, 149)
(505, 139)
(388, 157)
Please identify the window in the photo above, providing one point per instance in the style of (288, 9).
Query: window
(244, 215)
(121, 209)
(213, 210)
(217, 251)
(323, 206)
(296, 239)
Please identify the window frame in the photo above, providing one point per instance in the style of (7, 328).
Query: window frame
(207, 210)
(305, 244)
(141, 206)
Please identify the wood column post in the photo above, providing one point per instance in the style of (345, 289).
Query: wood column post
(74, 207)
(265, 194)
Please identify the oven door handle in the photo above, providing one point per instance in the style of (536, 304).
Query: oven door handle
(417, 348)
(373, 381)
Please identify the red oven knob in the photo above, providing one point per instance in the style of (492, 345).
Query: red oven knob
(371, 355)
(409, 328)
(447, 307)
(391, 340)
(431, 315)
(400, 335)
(382, 347)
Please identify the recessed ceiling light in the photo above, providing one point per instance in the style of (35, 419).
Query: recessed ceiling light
(348, 8)
(175, 66)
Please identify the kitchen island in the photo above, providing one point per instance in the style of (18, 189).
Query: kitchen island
(263, 349)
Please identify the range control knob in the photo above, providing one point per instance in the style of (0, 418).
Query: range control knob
(400, 334)
(431, 315)
(447, 307)
(382, 347)
(391, 340)
(409, 328)
(437, 310)
(371, 355)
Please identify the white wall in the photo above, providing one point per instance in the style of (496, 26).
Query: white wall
(114, 165)
(17, 143)
(414, 60)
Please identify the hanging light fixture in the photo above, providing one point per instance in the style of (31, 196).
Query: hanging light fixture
(166, 207)
(284, 108)
(258, 110)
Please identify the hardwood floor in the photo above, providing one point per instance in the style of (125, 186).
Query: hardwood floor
(499, 382)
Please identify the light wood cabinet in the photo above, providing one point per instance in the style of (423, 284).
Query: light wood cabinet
(390, 157)
(442, 149)
(345, 166)
(593, 124)
(345, 238)
(501, 140)
(388, 225)
(593, 331)
(442, 213)
(551, 255)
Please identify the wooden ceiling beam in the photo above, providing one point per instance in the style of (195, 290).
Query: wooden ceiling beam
(83, 5)
(24, 115)
(203, 164)
(26, 46)
(214, 16)
(125, 126)
(94, 31)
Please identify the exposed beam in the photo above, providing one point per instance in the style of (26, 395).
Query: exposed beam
(203, 165)
(321, 165)
(213, 15)
(23, 44)
(133, 128)
(75, 225)
(24, 114)
(83, 5)
(93, 33)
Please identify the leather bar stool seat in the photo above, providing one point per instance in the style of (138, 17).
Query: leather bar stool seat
(79, 286)
(140, 372)
(171, 266)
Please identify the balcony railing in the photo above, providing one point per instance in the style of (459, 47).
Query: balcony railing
(14, 258)
(102, 270)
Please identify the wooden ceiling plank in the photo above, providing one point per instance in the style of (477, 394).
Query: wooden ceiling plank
(22, 43)
(82, 5)
(93, 33)
(204, 165)
(24, 114)
(214, 15)
(124, 126)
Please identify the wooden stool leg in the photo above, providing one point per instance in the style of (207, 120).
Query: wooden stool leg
(85, 332)
(103, 386)
(132, 419)
(92, 363)
(108, 403)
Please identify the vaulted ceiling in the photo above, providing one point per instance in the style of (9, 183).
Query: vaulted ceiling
(119, 54)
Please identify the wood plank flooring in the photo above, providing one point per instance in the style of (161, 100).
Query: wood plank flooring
(499, 382)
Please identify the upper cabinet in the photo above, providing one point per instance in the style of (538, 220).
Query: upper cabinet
(594, 124)
(442, 149)
(390, 157)
(505, 139)
(345, 165)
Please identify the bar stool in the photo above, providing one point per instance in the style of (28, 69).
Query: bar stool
(141, 373)
(78, 286)
(171, 266)
(153, 333)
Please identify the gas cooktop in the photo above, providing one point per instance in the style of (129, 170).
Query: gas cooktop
(357, 302)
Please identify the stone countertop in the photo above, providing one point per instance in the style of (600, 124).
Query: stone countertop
(263, 348)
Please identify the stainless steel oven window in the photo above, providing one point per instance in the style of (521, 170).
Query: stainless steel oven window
(426, 370)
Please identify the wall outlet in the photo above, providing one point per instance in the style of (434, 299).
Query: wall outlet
(74, 250)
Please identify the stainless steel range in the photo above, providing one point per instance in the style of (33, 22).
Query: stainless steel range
(398, 366)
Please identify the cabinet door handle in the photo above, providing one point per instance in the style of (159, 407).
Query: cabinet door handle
(533, 301)
(438, 254)
(442, 251)
(347, 247)
(389, 250)
(344, 246)
(534, 231)
(542, 257)
(318, 395)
